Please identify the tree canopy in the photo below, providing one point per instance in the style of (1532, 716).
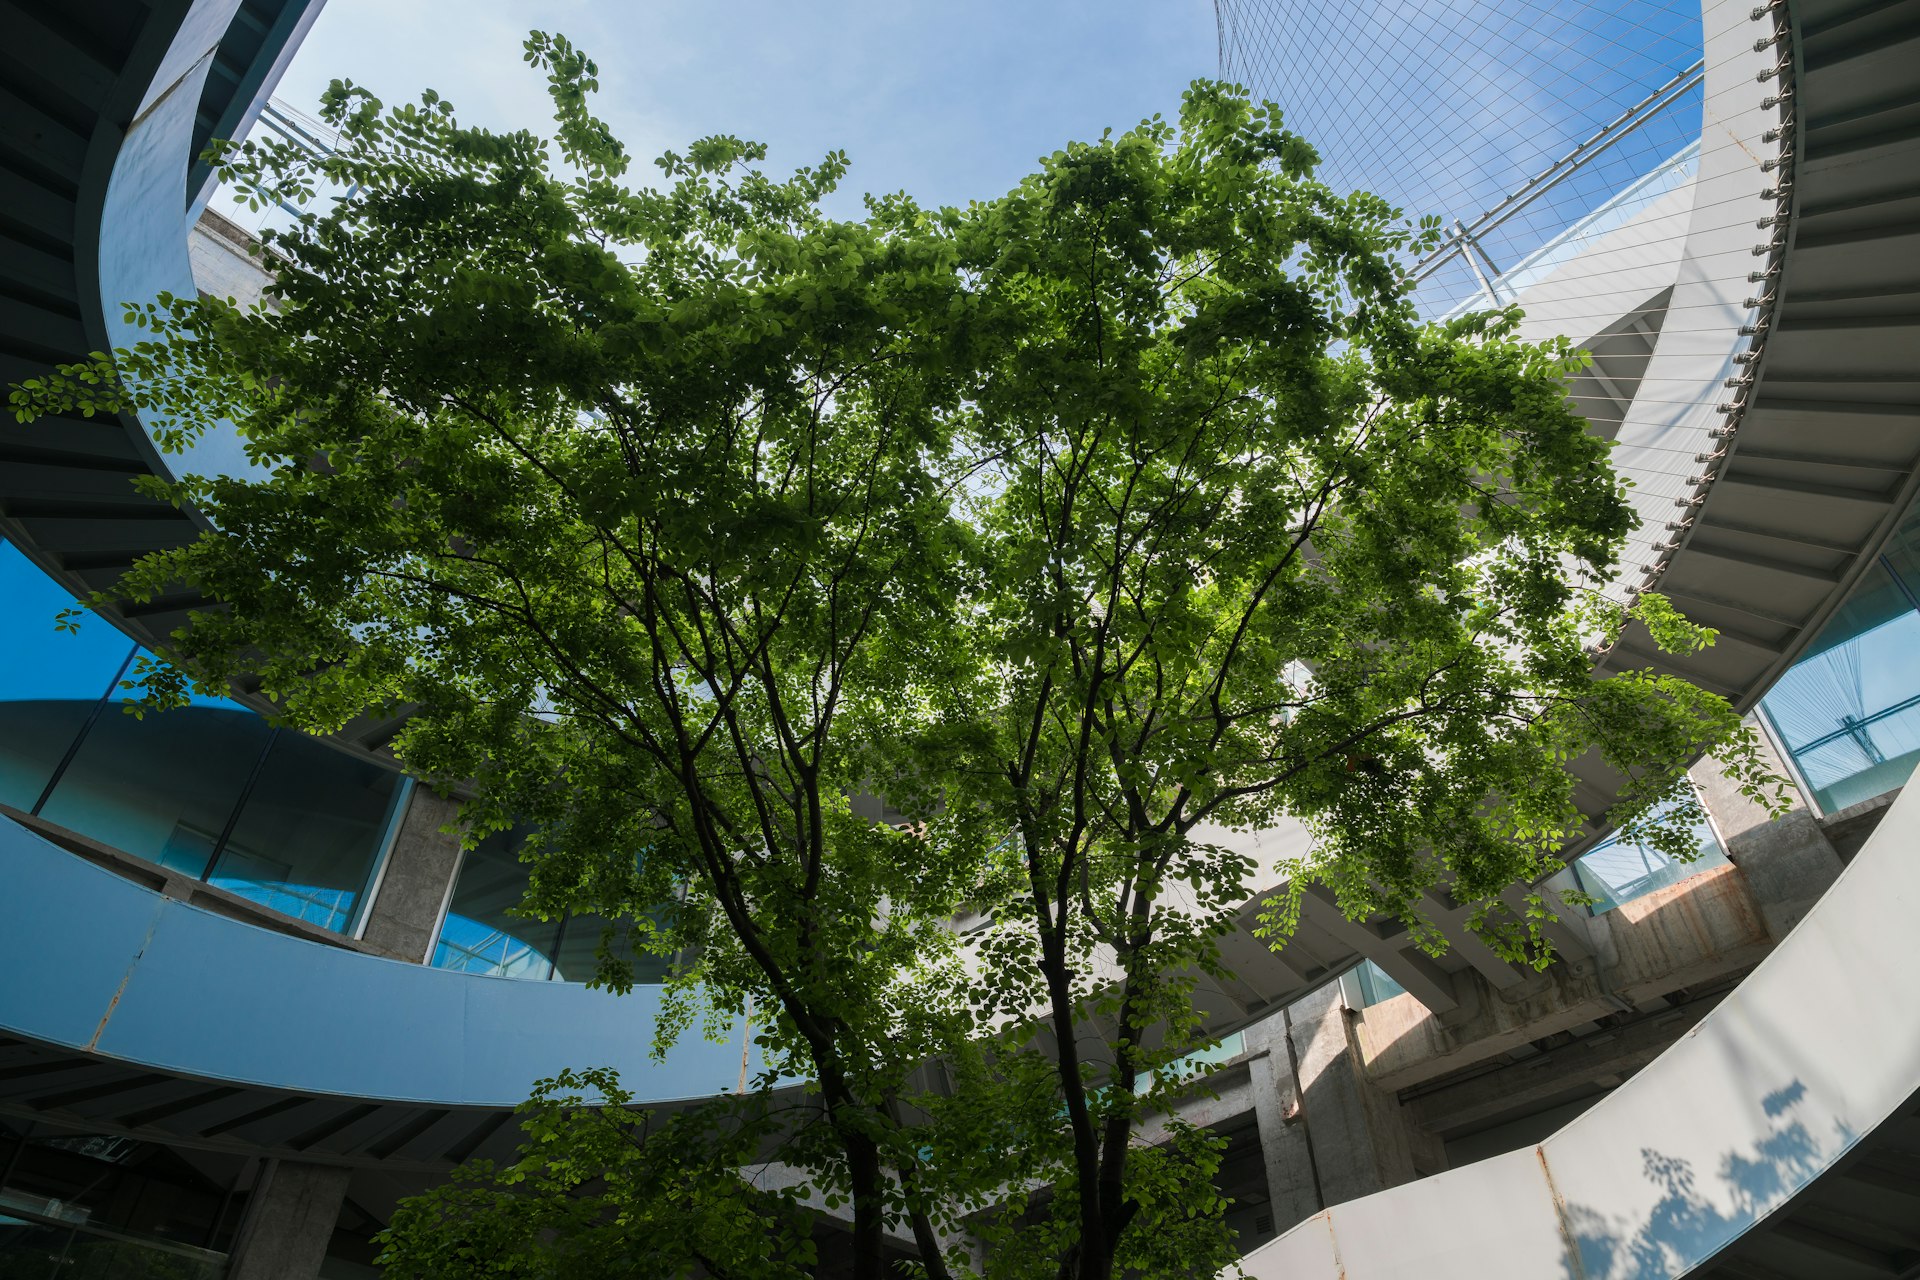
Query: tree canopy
(1087, 526)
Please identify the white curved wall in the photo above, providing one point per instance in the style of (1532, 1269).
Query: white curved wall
(1809, 1055)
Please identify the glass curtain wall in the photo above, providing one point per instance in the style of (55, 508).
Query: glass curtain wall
(210, 790)
(480, 933)
(51, 683)
(103, 1207)
(483, 933)
(1848, 712)
(1372, 985)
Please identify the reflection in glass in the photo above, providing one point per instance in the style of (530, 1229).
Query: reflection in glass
(296, 827)
(309, 831)
(162, 787)
(48, 1249)
(480, 936)
(29, 1248)
(1202, 1061)
(1375, 985)
(1619, 870)
(578, 956)
(51, 681)
(1849, 711)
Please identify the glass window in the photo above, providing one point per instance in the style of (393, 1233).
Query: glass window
(51, 682)
(30, 1248)
(577, 959)
(309, 832)
(480, 935)
(1617, 870)
(1849, 711)
(162, 787)
(302, 823)
(1375, 985)
(1202, 1061)
(576, 954)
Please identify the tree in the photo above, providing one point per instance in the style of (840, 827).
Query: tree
(1080, 524)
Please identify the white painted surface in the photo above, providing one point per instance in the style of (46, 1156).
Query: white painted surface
(1809, 1055)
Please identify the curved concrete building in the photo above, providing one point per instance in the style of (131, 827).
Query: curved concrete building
(258, 995)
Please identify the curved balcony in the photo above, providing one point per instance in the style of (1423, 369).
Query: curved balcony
(165, 1008)
(298, 1047)
(153, 1015)
(1777, 1138)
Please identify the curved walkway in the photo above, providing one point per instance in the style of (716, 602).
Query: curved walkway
(1774, 437)
(146, 1013)
(1802, 1062)
(101, 136)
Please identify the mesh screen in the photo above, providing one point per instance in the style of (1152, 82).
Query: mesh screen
(1449, 106)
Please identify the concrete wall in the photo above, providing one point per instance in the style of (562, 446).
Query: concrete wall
(1352, 1101)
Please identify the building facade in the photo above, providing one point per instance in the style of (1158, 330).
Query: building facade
(260, 994)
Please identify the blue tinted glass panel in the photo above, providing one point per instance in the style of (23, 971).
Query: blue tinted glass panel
(480, 936)
(162, 787)
(309, 832)
(577, 958)
(1849, 712)
(576, 954)
(1202, 1061)
(1375, 985)
(50, 681)
(1618, 871)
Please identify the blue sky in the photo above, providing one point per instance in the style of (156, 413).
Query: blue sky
(949, 101)
(1443, 105)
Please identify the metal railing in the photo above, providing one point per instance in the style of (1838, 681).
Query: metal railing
(56, 1241)
(1466, 241)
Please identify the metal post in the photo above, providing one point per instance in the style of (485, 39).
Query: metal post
(1469, 247)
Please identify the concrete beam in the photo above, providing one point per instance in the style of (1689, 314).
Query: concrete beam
(1704, 928)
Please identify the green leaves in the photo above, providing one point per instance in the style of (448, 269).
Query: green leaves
(898, 625)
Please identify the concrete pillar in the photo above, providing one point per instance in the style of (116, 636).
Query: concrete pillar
(1733, 813)
(1788, 865)
(405, 912)
(1293, 1190)
(1788, 862)
(1362, 1141)
(290, 1219)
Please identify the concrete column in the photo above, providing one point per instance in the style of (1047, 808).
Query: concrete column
(1734, 814)
(290, 1219)
(1362, 1140)
(1293, 1190)
(405, 912)
(1788, 862)
(1788, 865)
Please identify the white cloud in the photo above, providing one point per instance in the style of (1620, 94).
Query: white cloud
(949, 101)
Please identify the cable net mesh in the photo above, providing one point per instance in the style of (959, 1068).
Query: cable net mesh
(1448, 107)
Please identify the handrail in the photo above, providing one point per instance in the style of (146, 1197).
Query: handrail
(1466, 237)
(11, 1207)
